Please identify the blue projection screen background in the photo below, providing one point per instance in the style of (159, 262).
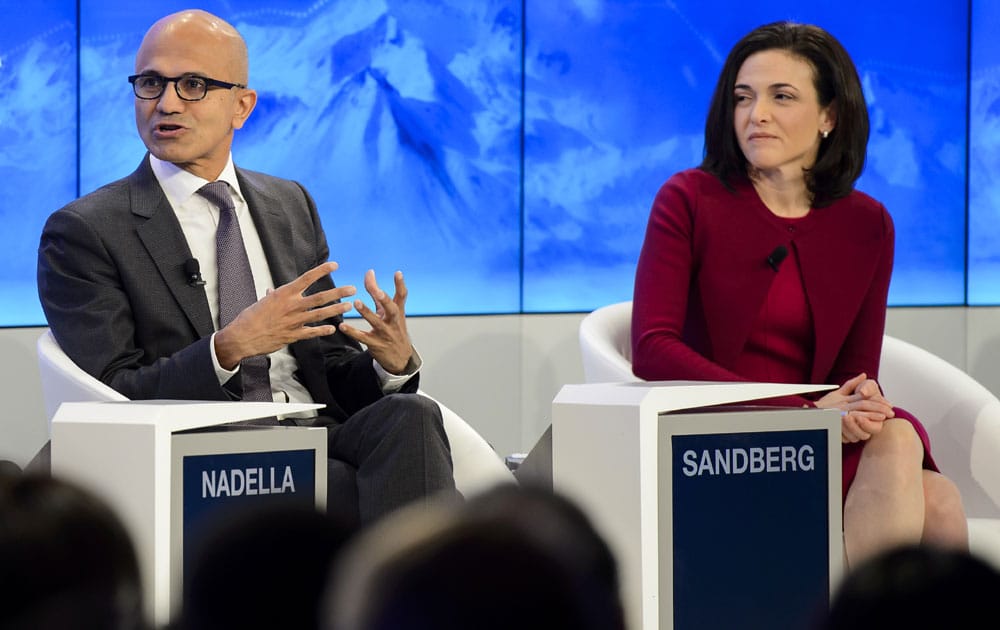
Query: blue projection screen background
(402, 120)
(984, 157)
(38, 130)
(504, 154)
(615, 102)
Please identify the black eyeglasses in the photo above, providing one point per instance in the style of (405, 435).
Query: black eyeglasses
(189, 87)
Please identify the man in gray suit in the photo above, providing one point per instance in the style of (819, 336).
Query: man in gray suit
(124, 294)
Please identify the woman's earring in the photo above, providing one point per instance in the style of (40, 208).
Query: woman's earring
(826, 134)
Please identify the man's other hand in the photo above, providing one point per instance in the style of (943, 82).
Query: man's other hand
(388, 340)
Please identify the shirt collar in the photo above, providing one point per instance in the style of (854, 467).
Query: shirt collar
(180, 185)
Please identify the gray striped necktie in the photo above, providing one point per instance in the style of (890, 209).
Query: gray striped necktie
(236, 288)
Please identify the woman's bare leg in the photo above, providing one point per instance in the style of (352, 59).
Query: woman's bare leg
(885, 506)
(945, 523)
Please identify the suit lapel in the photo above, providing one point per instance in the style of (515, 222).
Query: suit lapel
(273, 228)
(163, 239)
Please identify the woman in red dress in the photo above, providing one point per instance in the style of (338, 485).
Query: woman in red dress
(765, 264)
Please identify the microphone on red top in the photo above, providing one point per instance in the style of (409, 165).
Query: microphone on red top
(775, 257)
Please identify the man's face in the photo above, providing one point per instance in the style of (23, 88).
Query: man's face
(194, 135)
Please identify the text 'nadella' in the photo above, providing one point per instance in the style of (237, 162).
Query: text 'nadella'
(236, 482)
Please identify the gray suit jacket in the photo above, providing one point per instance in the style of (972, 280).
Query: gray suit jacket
(112, 284)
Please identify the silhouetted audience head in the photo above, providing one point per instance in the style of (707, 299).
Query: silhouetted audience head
(511, 558)
(66, 560)
(262, 568)
(916, 587)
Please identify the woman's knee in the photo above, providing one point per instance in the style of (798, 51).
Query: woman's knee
(898, 438)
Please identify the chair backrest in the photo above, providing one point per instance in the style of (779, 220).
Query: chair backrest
(477, 466)
(65, 381)
(606, 344)
(961, 416)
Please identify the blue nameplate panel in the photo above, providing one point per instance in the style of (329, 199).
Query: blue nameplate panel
(750, 527)
(221, 486)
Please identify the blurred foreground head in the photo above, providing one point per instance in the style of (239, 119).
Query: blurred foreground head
(66, 560)
(262, 568)
(917, 587)
(513, 557)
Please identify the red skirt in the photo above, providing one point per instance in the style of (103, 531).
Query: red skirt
(852, 451)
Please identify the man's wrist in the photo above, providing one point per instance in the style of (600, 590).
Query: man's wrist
(393, 382)
(408, 369)
(225, 350)
(220, 372)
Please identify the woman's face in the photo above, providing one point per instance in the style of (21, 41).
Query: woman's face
(778, 119)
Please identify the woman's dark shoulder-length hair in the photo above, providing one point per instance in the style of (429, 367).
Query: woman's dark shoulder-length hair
(841, 156)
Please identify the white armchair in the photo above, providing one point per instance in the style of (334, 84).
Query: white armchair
(963, 421)
(961, 416)
(65, 381)
(477, 465)
(606, 344)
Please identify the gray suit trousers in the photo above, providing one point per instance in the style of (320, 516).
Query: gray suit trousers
(388, 454)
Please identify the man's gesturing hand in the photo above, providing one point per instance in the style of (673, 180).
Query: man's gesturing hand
(388, 340)
(281, 317)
